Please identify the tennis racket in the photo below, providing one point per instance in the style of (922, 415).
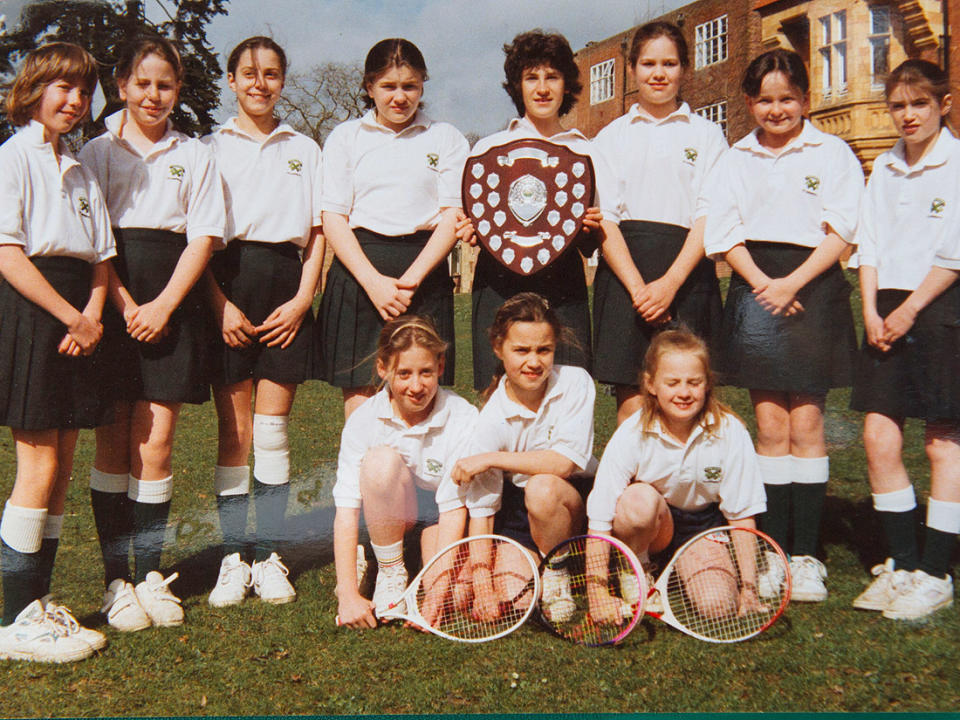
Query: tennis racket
(477, 589)
(724, 585)
(593, 590)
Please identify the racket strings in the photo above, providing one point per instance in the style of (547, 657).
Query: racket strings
(716, 598)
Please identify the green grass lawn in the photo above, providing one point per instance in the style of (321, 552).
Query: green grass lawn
(260, 659)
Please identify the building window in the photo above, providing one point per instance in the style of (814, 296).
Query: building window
(833, 53)
(879, 44)
(716, 113)
(601, 82)
(711, 42)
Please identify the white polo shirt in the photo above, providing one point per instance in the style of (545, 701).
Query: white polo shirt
(50, 209)
(393, 183)
(563, 423)
(605, 195)
(430, 448)
(691, 476)
(272, 187)
(786, 198)
(910, 214)
(661, 165)
(175, 186)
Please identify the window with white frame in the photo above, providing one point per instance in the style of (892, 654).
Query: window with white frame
(711, 42)
(716, 113)
(879, 44)
(601, 82)
(833, 53)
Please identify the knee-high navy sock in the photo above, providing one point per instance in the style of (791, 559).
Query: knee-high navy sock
(21, 535)
(807, 493)
(943, 526)
(48, 551)
(232, 486)
(271, 504)
(775, 472)
(897, 511)
(113, 516)
(151, 507)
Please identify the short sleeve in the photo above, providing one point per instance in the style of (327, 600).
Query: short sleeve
(353, 446)
(607, 190)
(206, 215)
(574, 431)
(843, 192)
(12, 184)
(337, 176)
(618, 465)
(451, 168)
(104, 243)
(714, 148)
(484, 491)
(866, 237)
(316, 189)
(741, 491)
(724, 229)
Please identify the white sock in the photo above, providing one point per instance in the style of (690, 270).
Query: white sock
(22, 528)
(231, 480)
(810, 471)
(896, 501)
(388, 555)
(109, 482)
(152, 492)
(941, 515)
(776, 470)
(271, 451)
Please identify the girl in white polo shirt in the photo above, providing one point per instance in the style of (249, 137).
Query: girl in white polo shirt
(397, 452)
(535, 434)
(909, 257)
(166, 205)
(783, 207)
(681, 464)
(660, 153)
(262, 296)
(55, 241)
(543, 82)
(391, 189)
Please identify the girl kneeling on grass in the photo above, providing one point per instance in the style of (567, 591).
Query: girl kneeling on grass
(397, 452)
(55, 241)
(909, 258)
(536, 433)
(681, 464)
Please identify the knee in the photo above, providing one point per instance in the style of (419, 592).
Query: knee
(542, 494)
(381, 469)
(881, 445)
(156, 451)
(773, 435)
(638, 508)
(943, 451)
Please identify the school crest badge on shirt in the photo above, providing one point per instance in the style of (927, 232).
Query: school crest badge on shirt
(83, 206)
(690, 155)
(176, 172)
(811, 184)
(434, 466)
(937, 207)
(295, 167)
(713, 474)
(433, 161)
(527, 200)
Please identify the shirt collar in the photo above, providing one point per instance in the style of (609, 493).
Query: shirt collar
(938, 155)
(231, 126)
(33, 131)
(420, 120)
(437, 418)
(657, 429)
(114, 123)
(522, 124)
(512, 409)
(638, 113)
(809, 135)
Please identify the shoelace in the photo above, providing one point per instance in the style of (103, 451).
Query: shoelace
(225, 576)
(162, 589)
(62, 619)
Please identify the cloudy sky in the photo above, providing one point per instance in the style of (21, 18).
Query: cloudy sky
(460, 39)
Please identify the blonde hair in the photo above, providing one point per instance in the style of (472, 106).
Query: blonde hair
(401, 334)
(48, 63)
(681, 340)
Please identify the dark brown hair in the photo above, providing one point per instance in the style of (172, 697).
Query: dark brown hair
(922, 75)
(534, 49)
(779, 60)
(256, 42)
(387, 54)
(48, 63)
(402, 333)
(653, 30)
(142, 47)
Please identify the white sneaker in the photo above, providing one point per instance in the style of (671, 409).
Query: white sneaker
(270, 581)
(122, 608)
(391, 582)
(36, 637)
(924, 596)
(155, 597)
(807, 575)
(61, 616)
(233, 582)
(771, 578)
(888, 583)
(558, 603)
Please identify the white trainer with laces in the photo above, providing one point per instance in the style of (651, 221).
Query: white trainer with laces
(34, 636)
(558, 603)
(887, 584)
(924, 596)
(807, 575)
(771, 578)
(61, 615)
(122, 608)
(233, 582)
(155, 597)
(391, 582)
(270, 581)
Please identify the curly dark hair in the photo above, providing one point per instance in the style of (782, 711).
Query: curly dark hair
(536, 48)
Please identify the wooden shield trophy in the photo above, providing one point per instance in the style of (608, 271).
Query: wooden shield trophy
(527, 200)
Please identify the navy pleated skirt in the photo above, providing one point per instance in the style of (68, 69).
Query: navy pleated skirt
(919, 376)
(177, 368)
(621, 336)
(258, 278)
(40, 389)
(809, 352)
(350, 324)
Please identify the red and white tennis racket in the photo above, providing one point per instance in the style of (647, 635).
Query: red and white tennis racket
(724, 585)
(443, 597)
(593, 590)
